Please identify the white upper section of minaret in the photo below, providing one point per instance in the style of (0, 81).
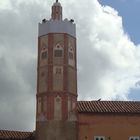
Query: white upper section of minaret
(57, 26)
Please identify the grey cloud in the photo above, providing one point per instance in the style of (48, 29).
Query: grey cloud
(18, 36)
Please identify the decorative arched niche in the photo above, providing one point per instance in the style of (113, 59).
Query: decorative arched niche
(71, 54)
(57, 108)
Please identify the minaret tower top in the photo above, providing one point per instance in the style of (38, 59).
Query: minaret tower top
(56, 24)
(56, 11)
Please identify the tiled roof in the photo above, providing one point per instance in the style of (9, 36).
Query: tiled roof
(5, 134)
(130, 107)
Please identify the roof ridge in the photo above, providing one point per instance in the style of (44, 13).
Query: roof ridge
(17, 131)
(107, 101)
(131, 107)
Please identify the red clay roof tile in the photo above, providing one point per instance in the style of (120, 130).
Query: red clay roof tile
(132, 107)
(6, 134)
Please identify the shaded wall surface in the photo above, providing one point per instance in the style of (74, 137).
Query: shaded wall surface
(110, 126)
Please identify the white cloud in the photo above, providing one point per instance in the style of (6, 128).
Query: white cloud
(111, 64)
(5, 4)
(108, 61)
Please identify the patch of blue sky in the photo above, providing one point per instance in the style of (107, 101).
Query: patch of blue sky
(129, 11)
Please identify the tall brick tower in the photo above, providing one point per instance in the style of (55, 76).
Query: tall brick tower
(56, 117)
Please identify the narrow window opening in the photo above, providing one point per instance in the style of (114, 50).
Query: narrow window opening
(134, 138)
(70, 55)
(44, 55)
(58, 70)
(99, 138)
(58, 53)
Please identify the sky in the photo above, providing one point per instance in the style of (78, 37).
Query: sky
(108, 49)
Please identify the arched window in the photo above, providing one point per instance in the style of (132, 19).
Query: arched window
(71, 55)
(44, 104)
(44, 55)
(44, 51)
(39, 105)
(71, 52)
(58, 51)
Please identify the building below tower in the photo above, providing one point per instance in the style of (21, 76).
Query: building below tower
(98, 120)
